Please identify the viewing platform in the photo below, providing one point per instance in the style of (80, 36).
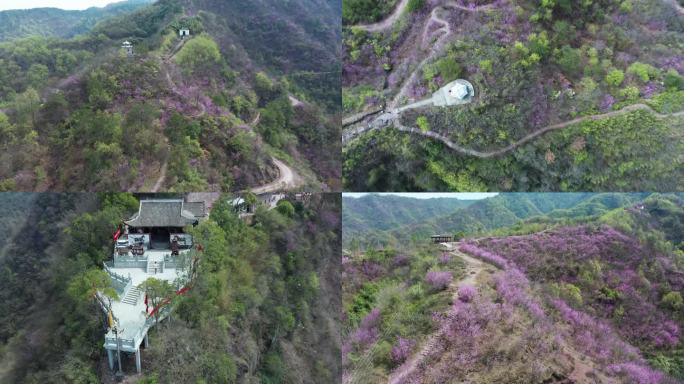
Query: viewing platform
(152, 244)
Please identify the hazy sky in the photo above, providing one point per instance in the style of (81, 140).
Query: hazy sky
(64, 4)
(462, 196)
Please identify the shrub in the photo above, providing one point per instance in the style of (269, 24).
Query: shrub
(486, 66)
(615, 77)
(644, 72)
(218, 368)
(466, 293)
(423, 123)
(199, 54)
(637, 373)
(438, 279)
(673, 300)
(673, 80)
(415, 5)
(444, 258)
(382, 354)
(630, 93)
(286, 208)
(401, 350)
(570, 60)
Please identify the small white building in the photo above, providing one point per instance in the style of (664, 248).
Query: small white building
(456, 92)
(128, 47)
(183, 32)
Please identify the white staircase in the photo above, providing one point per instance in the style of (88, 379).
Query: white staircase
(155, 264)
(132, 296)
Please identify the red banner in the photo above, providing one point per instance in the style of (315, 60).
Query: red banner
(117, 234)
(168, 300)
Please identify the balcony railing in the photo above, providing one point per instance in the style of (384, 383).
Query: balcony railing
(131, 344)
(120, 282)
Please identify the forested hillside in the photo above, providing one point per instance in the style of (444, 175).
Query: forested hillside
(568, 95)
(58, 22)
(207, 112)
(595, 299)
(383, 212)
(13, 207)
(479, 216)
(264, 305)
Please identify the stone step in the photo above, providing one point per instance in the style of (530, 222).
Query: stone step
(132, 296)
(152, 265)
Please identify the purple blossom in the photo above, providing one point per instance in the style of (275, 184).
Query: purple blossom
(607, 103)
(650, 89)
(365, 336)
(401, 350)
(444, 258)
(637, 373)
(400, 260)
(466, 293)
(438, 279)
(372, 319)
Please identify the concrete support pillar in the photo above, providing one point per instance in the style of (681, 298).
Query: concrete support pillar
(138, 365)
(147, 341)
(110, 358)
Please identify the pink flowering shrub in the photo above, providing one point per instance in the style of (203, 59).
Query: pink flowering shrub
(444, 258)
(368, 333)
(472, 249)
(401, 350)
(438, 279)
(635, 373)
(466, 293)
(624, 285)
(512, 285)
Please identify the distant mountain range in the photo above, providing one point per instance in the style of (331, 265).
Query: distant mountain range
(387, 219)
(386, 212)
(59, 22)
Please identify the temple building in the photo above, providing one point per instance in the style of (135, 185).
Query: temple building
(127, 47)
(441, 239)
(152, 243)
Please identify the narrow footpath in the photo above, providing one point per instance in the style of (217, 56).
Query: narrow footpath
(474, 268)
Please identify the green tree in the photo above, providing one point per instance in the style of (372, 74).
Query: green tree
(157, 291)
(263, 85)
(630, 93)
(423, 123)
(218, 368)
(85, 285)
(673, 300)
(415, 5)
(644, 72)
(199, 54)
(101, 87)
(673, 80)
(250, 198)
(27, 105)
(615, 77)
(38, 75)
(286, 208)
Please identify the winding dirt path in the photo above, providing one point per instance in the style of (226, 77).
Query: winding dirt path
(532, 135)
(295, 102)
(162, 176)
(388, 22)
(287, 179)
(474, 268)
(676, 5)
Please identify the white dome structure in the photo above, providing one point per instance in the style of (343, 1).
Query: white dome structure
(456, 92)
(459, 91)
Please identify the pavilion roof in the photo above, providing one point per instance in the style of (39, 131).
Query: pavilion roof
(166, 213)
